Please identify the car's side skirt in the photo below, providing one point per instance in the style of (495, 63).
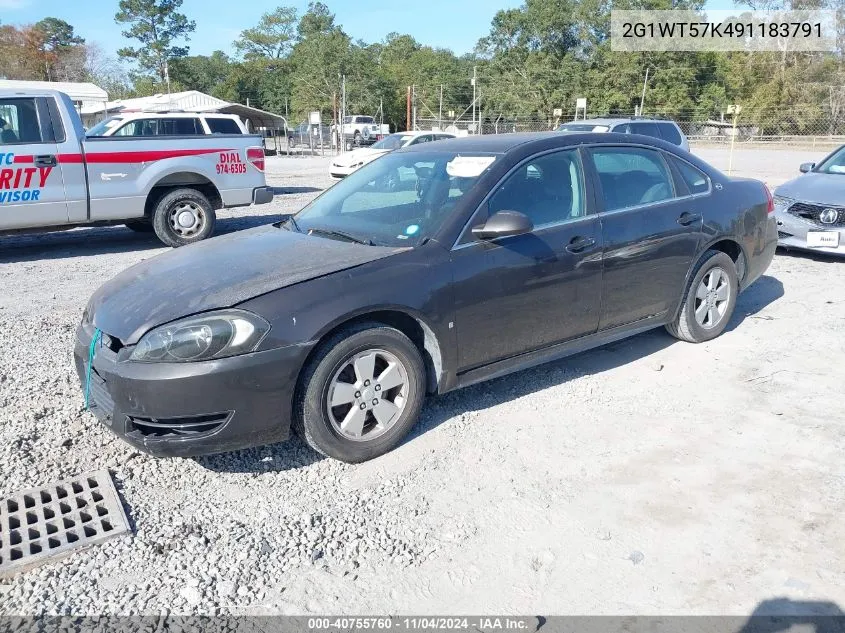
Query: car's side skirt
(556, 352)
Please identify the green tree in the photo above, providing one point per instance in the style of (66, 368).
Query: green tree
(206, 73)
(156, 24)
(273, 37)
(61, 48)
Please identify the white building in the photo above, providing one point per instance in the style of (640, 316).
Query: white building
(86, 96)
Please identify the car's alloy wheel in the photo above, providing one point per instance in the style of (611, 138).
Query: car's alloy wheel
(360, 393)
(367, 395)
(709, 299)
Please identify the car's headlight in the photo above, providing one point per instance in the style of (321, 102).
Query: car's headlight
(782, 202)
(202, 337)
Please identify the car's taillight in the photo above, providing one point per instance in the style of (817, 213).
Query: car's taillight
(770, 201)
(255, 155)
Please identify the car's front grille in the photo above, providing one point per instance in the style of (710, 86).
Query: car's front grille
(161, 428)
(813, 213)
(99, 399)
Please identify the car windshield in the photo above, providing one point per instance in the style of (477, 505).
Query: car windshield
(104, 126)
(393, 141)
(582, 127)
(399, 200)
(835, 164)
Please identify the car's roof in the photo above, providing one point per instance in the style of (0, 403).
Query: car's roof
(502, 143)
(614, 121)
(152, 115)
(416, 133)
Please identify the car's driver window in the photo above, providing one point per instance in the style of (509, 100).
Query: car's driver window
(548, 190)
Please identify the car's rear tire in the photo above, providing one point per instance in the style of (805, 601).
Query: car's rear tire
(709, 301)
(139, 226)
(183, 216)
(361, 393)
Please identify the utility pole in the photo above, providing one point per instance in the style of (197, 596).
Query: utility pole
(342, 110)
(440, 113)
(167, 77)
(642, 98)
(474, 76)
(414, 98)
(408, 111)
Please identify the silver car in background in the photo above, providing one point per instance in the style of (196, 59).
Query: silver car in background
(810, 209)
(656, 128)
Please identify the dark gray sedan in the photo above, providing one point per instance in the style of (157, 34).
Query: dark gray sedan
(810, 210)
(495, 254)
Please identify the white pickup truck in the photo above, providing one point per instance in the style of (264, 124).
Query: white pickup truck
(52, 177)
(359, 130)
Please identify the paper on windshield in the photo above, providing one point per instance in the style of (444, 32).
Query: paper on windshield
(468, 166)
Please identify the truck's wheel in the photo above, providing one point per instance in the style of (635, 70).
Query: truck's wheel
(140, 226)
(183, 216)
(357, 140)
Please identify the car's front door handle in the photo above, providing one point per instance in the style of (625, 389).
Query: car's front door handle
(579, 244)
(688, 218)
(45, 160)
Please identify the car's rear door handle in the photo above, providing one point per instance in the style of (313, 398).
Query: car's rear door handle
(579, 244)
(45, 160)
(688, 218)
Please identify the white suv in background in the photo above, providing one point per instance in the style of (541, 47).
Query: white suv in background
(657, 128)
(168, 124)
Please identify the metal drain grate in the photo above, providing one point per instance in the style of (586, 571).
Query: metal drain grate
(44, 524)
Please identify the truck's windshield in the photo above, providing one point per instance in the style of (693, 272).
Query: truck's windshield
(102, 128)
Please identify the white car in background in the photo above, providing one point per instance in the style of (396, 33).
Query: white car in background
(343, 165)
(168, 123)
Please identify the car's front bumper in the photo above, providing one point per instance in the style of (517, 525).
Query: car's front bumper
(186, 409)
(341, 171)
(792, 233)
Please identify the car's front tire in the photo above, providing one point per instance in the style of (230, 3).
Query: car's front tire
(709, 301)
(183, 216)
(361, 393)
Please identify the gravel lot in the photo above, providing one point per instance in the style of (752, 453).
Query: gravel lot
(649, 476)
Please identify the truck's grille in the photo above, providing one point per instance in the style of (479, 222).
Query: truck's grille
(813, 212)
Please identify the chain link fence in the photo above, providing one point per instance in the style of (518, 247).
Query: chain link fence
(791, 128)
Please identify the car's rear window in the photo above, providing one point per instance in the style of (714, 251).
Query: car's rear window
(180, 127)
(670, 132)
(222, 126)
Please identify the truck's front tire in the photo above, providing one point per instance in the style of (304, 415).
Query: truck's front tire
(183, 216)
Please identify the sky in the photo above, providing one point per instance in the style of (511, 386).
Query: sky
(454, 24)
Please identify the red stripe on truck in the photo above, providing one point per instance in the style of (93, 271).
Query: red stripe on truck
(123, 157)
(135, 157)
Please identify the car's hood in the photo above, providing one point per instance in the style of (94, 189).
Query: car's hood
(218, 273)
(354, 157)
(815, 187)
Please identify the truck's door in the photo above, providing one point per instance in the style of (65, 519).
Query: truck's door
(32, 191)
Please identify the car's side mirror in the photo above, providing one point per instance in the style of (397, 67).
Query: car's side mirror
(805, 167)
(503, 224)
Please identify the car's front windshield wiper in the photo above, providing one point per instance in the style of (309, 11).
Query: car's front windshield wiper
(287, 223)
(342, 235)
